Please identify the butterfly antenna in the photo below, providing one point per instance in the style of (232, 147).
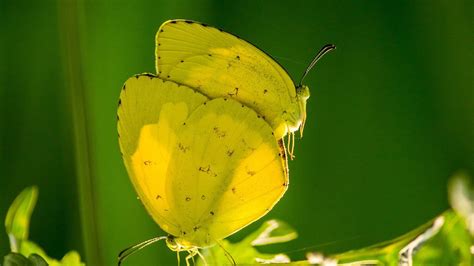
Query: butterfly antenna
(129, 251)
(227, 254)
(326, 49)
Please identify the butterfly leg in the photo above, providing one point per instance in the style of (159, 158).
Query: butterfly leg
(190, 257)
(290, 145)
(202, 257)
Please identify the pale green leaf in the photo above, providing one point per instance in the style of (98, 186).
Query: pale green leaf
(244, 252)
(17, 221)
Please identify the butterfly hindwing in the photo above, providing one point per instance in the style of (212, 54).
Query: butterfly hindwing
(203, 168)
(227, 171)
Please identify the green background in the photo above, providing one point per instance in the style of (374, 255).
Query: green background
(390, 116)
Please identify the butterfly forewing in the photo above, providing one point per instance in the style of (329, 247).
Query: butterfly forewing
(219, 64)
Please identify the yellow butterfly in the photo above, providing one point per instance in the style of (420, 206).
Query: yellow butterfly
(204, 168)
(202, 141)
(219, 64)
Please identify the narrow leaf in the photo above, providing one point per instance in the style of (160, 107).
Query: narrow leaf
(17, 221)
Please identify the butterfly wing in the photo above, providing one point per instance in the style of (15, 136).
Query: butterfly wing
(227, 170)
(149, 111)
(203, 169)
(219, 64)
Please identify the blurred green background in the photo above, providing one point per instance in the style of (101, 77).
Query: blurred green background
(390, 117)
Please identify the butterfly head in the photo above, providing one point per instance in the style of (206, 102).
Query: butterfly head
(294, 117)
(302, 95)
(302, 91)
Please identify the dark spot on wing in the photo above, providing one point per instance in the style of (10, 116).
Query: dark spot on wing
(182, 148)
(158, 196)
(147, 162)
(120, 102)
(182, 61)
(265, 91)
(230, 152)
(188, 199)
(212, 213)
(233, 190)
(203, 197)
(189, 21)
(209, 54)
(123, 88)
(237, 57)
(173, 21)
(161, 30)
(204, 169)
(195, 228)
(234, 92)
(251, 173)
(219, 133)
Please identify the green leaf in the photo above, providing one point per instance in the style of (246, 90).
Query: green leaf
(29, 247)
(17, 221)
(16, 259)
(446, 240)
(71, 258)
(272, 232)
(244, 252)
(451, 246)
(461, 198)
(37, 260)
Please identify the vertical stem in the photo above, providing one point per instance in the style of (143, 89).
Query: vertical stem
(68, 21)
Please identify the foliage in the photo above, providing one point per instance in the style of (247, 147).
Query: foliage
(446, 240)
(245, 252)
(23, 251)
